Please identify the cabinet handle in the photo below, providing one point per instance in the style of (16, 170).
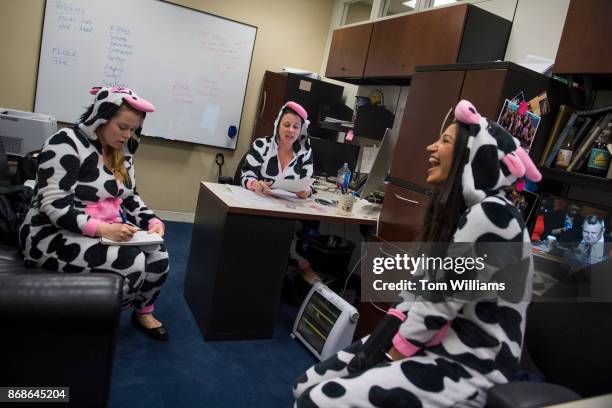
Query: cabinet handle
(342, 69)
(399, 197)
(263, 105)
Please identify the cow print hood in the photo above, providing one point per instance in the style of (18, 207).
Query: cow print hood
(494, 161)
(106, 103)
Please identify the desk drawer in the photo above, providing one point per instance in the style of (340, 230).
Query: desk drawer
(402, 215)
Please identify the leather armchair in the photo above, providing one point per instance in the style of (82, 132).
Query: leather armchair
(59, 330)
(568, 342)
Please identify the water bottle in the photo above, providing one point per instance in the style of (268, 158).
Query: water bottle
(343, 178)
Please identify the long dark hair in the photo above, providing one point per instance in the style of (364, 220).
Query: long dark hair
(447, 204)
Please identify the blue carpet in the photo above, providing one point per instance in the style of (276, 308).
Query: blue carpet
(188, 372)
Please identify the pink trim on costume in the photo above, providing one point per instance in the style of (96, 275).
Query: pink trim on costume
(465, 112)
(404, 346)
(91, 226)
(106, 210)
(439, 336)
(146, 309)
(397, 313)
(94, 90)
(298, 109)
(155, 221)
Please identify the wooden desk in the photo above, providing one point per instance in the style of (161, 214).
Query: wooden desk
(238, 257)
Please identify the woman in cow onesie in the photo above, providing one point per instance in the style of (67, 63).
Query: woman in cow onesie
(284, 155)
(85, 188)
(448, 353)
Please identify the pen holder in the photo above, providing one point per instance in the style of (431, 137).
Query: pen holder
(345, 204)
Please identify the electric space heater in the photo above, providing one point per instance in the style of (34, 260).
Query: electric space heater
(326, 322)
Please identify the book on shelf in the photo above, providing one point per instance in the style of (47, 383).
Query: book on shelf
(585, 147)
(560, 121)
(552, 154)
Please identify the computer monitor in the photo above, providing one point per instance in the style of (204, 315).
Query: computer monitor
(382, 164)
(329, 156)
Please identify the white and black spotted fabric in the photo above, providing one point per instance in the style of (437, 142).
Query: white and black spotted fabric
(261, 162)
(72, 177)
(455, 351)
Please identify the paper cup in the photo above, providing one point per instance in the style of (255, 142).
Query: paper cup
(345, 204)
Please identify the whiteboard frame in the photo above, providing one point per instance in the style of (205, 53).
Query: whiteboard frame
(40, 50)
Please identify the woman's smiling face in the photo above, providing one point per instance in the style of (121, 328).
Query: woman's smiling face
(441, 156)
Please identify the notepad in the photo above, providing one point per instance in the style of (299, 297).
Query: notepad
(140, 237)
(292, 185)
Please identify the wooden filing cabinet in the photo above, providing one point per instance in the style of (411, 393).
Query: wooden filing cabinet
(277, 89)
(402, 215)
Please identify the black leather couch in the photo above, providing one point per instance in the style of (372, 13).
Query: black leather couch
(59, 330)
(568, 343)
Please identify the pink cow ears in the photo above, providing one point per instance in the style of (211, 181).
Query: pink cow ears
(466, 113)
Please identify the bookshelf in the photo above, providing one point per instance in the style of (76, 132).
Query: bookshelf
(584, 180)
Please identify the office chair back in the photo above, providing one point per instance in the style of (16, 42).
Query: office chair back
(5, 173)
(238, 172)
(570, 343)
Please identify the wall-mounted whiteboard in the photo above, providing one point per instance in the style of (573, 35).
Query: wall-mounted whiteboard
(191, 65)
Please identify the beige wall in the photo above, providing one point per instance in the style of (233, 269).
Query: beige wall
(290, 33)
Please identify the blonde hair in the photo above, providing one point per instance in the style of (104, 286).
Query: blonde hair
(115, 161)
(114, 158)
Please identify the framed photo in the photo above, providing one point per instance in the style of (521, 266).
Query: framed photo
(522, 126)
(525, 201)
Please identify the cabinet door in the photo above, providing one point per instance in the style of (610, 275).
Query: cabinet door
(348, 51)
(426, 38)
(270, 101)
(431, 96)
(402, 214)
(485, 89)
(585, 46)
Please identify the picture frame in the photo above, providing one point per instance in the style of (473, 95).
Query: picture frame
(522, 125)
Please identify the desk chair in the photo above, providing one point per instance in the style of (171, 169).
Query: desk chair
(236, 179)
(569, 343)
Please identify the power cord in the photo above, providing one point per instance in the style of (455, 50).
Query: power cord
(351, 273)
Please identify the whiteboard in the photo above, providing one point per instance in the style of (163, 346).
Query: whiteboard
(191, 65)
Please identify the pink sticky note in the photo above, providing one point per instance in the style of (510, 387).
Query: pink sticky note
(349, 135)
(523, 106)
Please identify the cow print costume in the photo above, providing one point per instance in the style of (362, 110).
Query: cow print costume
(262, 163)
(455, 350)
(75, 191)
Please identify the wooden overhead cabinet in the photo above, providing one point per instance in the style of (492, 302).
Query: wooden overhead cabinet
(445, 35)
(585, 46)
(348, 51)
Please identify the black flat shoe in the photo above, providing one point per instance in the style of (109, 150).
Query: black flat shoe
(158, 333)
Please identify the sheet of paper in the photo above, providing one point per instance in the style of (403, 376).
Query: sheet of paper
(140, 238)
(367, 159)
(293, 186)
(248, 197)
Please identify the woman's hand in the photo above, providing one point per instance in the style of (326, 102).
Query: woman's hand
(158, 228)
(262, 187)
(303, 194)
(116, 232)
